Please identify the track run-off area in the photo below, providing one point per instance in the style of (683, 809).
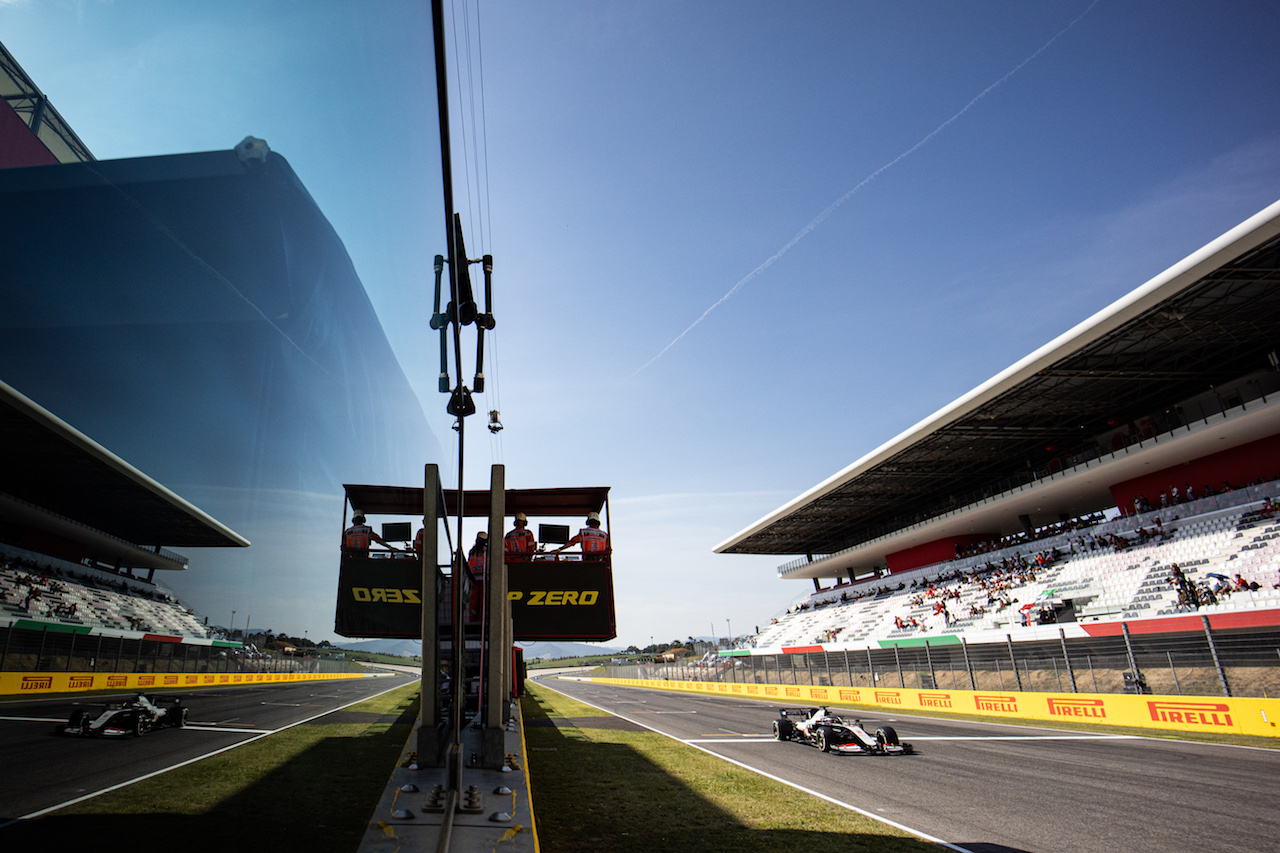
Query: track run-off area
(990, 787)
(45, 771)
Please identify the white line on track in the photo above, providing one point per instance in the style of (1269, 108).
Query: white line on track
(1028, 737)
(731, 740)
(33, 719)
(767, 775)
(258, 734)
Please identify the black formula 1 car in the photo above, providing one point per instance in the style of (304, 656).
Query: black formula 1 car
(830, 733)
(135, 716)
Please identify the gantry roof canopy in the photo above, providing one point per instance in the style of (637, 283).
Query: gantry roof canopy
(50, 469)
(1203, 323)
(407, 500)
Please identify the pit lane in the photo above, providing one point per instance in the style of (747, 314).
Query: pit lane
(989, 787)
(43, 770)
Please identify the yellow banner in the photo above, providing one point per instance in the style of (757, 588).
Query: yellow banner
(1180, 713)
(38, 683)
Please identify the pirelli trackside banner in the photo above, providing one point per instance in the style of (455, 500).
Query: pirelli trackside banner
(560, 600)
(1179, 713)
(34, 683)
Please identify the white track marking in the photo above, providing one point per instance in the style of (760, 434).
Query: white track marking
(788, 783)
(258, 734)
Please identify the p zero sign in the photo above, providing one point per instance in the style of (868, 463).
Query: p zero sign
(379, 598)
(562, 600)
(571, 600)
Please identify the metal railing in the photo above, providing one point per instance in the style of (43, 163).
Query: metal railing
(1207, 663)
(46, 650)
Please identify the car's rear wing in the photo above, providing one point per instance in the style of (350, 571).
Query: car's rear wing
(797, 712)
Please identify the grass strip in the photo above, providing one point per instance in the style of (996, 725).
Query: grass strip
(311, 787)
(620, 790)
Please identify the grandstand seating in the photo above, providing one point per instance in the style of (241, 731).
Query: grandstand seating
(78, 595)
(1213, 536)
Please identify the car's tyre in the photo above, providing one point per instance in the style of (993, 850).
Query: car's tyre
(80, 721)
(782, 729)
(141, 724)
(824, 739)
(179, 717)
(887, 736)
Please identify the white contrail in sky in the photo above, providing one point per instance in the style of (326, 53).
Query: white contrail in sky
(818, 220)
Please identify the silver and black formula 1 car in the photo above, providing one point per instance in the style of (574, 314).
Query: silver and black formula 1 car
(830, 733)
(135, 716)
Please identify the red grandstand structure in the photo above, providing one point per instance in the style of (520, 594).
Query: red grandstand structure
(1050, 504)
(82, 534)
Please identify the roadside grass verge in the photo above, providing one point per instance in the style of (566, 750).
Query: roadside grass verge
(312, 788)
(596, 787)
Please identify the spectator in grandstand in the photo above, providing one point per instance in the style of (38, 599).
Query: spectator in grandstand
(359, 537)
(519, 545)
(1242, 585)
(594, 541)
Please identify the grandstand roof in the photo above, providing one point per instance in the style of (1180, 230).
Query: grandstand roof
(24, 97)
(1204, 323)
(54, 472)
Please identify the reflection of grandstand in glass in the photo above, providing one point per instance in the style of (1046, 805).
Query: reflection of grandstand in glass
(197, 315)
(1116, 482)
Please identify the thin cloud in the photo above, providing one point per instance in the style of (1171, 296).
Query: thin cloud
(821, 217)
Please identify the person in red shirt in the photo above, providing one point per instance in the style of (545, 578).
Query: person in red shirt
(519, 545)
(358, 537)
(477, 561)
(594, 541)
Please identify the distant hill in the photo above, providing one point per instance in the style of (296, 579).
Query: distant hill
(404, 648)
(540, 650)
(548, 650)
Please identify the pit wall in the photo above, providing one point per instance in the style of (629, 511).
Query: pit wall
(1182, 713)
(41, 683)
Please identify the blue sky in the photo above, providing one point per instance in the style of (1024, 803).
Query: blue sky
(637, 161)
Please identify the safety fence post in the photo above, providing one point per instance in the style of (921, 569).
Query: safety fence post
(1071, 675)
(871, 670)
(933, 676)
(897, 659)
(44, 633)
(1213, 649)
(826, 661)
(973, 685)
(1014, 662)
(1174, 672)
(849, 674)
(1133, 662)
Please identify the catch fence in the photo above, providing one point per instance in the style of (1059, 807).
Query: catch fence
(1208, 663)
(45, 650)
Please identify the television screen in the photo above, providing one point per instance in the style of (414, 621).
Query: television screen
(553, 534)
(397, 531)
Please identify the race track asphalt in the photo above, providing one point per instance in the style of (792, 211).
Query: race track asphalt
(995, 788)
(43, 770)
